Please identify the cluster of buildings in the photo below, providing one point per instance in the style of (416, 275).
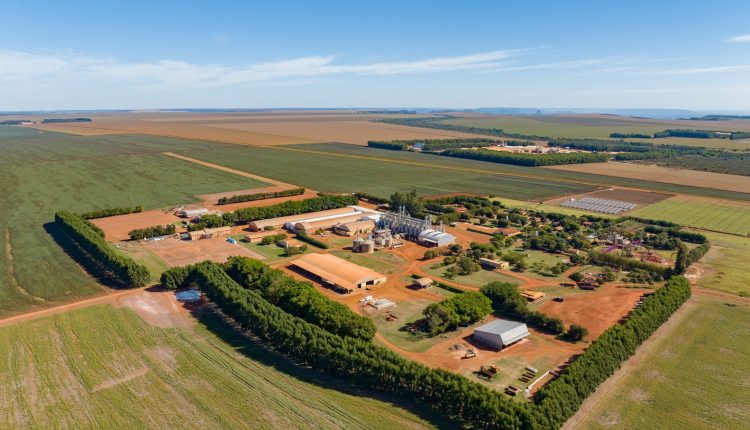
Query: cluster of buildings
(419, 230)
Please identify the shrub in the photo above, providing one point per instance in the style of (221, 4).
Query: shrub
(576, 332)
(148, 232)
(274, 238)
(458, 310)
(507, 301)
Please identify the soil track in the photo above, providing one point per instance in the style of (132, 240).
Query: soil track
(230, 170)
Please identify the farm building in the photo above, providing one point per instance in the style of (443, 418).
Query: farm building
(500, 334)
(209, 233)
(328, 222)
(328, 217)
(354, 227)
(491, 264)
(416, 229)
(340, 274)
(192, 213)
(533, 296)
(423, 282)
(258, 236)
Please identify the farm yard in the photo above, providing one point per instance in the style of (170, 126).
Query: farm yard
(703, 359)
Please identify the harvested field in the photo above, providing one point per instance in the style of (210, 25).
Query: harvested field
(696, 377)
(650, 172)
(177, 252)
(104, 367)
(116, 228)
(252, 128)
(597, 310)
(726, 216)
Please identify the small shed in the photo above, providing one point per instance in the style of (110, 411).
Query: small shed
(500, 334)
(533, 296)
(423, 282)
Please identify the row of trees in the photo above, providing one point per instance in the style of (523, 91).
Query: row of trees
(618, 261)
(155, 231)
(360, 361)
(439, 123)
(617, 135)
(274, 238)
(299, 298)
(260, 196)
(507, 301)
(123, 269)
(560, 399)
(671, 231)
(247, 215)
(393, 145)
(459, 310)
(530, 160)
(102, 213)
(304, 237)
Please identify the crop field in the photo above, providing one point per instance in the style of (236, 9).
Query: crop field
(254, 128)
(712, 214)
(704, 360)
(600, 127)
(104, 367)
(725, 265)
(43, 172)
(379, 261)
(667, 175)
(343, 171)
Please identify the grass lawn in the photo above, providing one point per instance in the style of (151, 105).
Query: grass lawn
(476, 279)
(379, 261)
(697, 378)
(272, 252)
(541, 257)
(512, 368)
(143, 255)
(103, 367)
(44, 172)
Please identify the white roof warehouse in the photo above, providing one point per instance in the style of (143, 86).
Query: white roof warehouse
(500, 334)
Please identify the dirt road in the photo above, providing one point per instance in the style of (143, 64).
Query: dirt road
(230, 170)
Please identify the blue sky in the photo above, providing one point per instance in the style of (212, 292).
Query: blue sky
(634, 54)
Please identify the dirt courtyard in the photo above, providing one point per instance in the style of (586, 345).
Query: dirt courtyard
(116, 228)
(158, 308)
(177, 252)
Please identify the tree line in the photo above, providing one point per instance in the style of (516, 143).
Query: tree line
(557, 401)
(260, 196)
(529, 160)
(122, 268)
(247, 215)
(103, 213)
(155, 231)
(473, 405)
(304, 237)
(360, 361)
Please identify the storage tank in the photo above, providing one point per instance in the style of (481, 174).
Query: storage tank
(367, 247)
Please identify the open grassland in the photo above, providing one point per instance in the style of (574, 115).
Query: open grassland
(103, 367)
(725, 267)
(695, 378)
(42, 173)
(477, 279)
(667, 175)
(712, 214)
(601, 126)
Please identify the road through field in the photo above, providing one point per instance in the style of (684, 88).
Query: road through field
(230, 170)
(656, 339)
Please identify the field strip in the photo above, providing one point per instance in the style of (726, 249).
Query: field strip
(656, 339)
(12, 270)
(230, 170)
(104, 299)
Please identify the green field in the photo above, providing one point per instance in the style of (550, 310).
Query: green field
(103, 367)
(477, 279)
(339, 167)
(696, 378)
(43, 172)
(701, 213)
(727, 264)
(593, 128)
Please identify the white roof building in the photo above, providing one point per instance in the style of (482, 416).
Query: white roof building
(436, 238)
(500, 334)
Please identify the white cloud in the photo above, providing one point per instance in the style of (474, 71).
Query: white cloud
(15, 65)
(701, 70)
(745, 38)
